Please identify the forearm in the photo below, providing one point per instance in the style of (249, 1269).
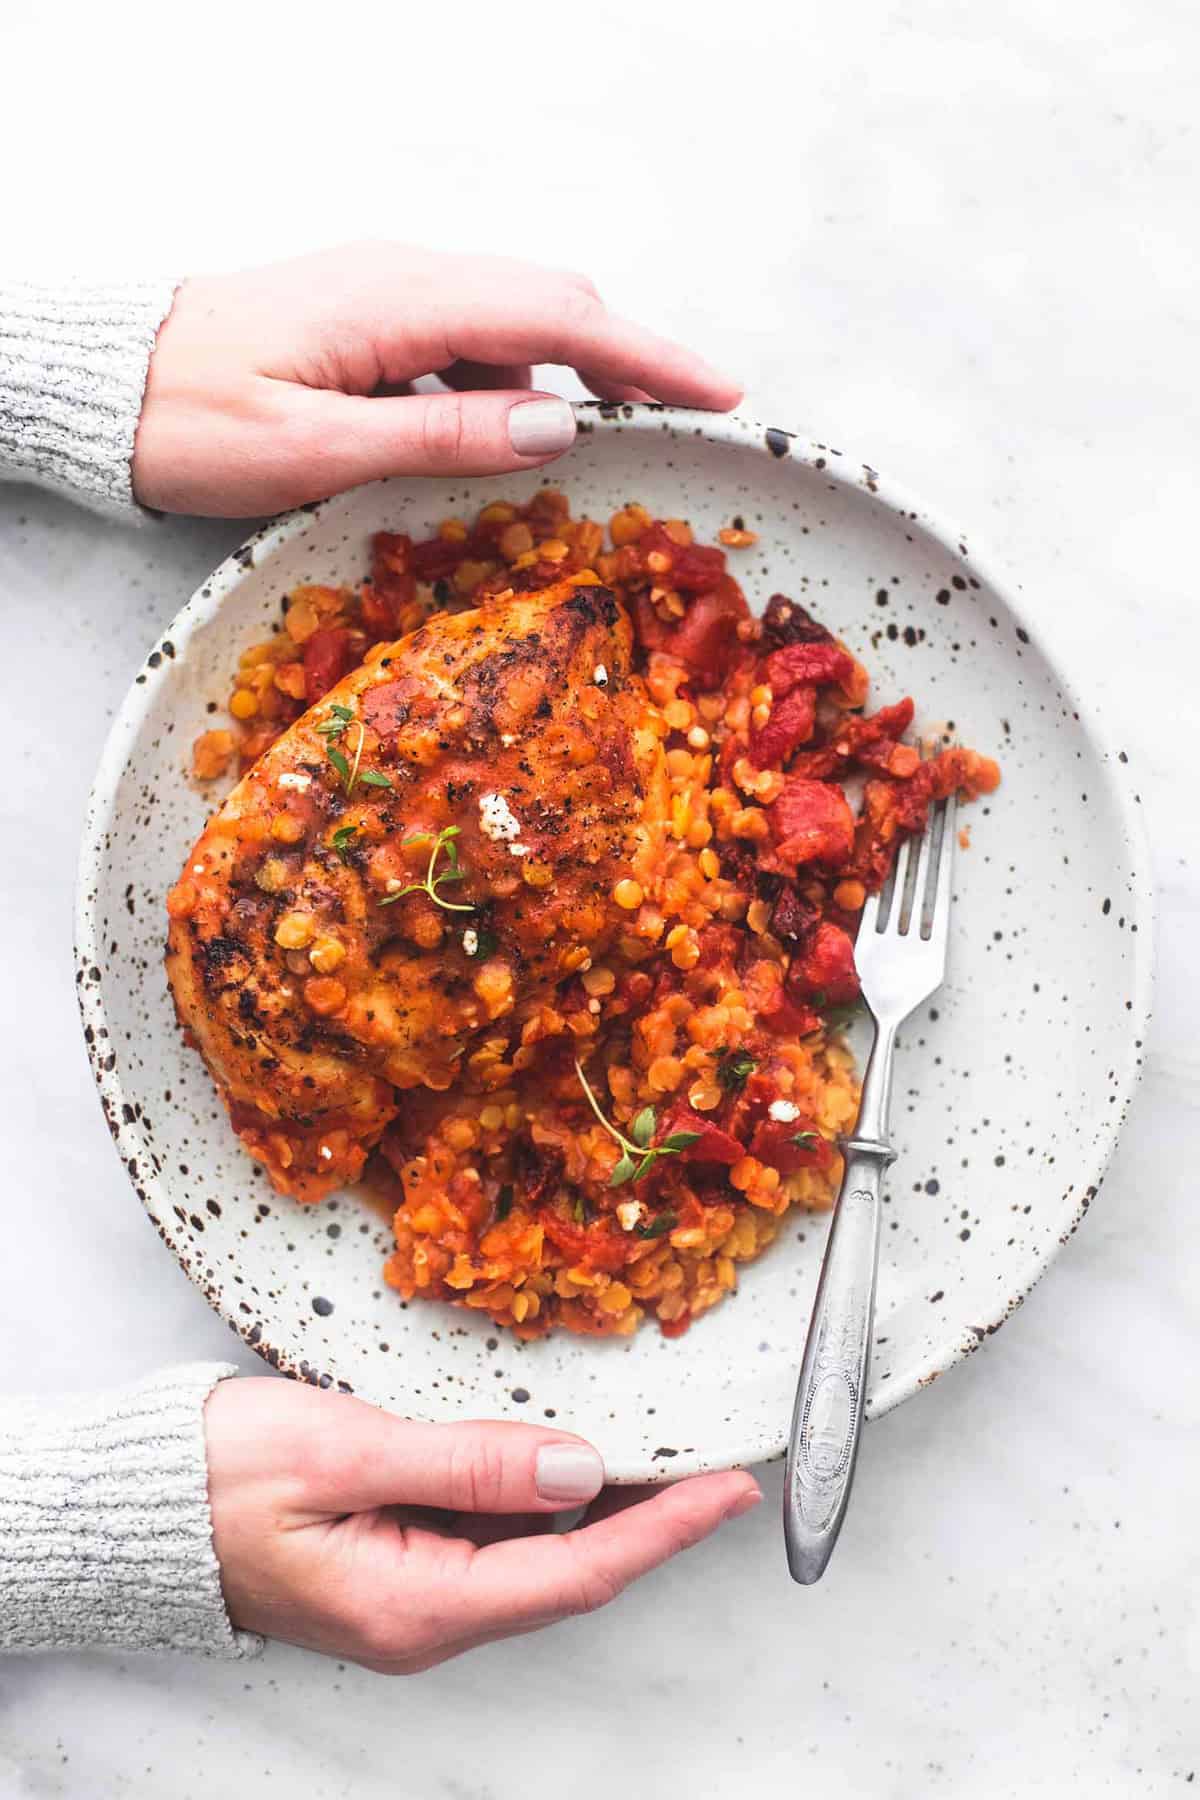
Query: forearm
(73, 363)
(105, 1530)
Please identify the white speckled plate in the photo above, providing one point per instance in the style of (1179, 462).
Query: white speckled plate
(1010, 1088)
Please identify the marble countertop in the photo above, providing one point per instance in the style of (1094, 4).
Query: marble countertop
(964, 245)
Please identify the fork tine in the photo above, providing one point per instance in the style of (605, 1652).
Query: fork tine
(869, 917)
(914, 884)
(883, 901)
(924, 854)
(939, 918)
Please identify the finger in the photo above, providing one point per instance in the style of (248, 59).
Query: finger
(496, 1528)
(611, 390)
(612, 1500)
(339, 440)
(371, 1458)
(466, 377)
(570, 326)
(533, 1581)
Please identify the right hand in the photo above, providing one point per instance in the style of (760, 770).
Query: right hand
(320, 1510)
(277, 386)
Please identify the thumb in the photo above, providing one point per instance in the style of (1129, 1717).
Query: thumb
(371, 1458)
(364, 437)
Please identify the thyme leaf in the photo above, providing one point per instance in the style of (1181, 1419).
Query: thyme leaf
(658, 1227)
(342, 840)
(734, 1069)
(639, 1155)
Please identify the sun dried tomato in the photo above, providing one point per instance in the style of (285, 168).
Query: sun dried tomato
(870, 742)
(595, 1246)
(327, 657)
(794, 916)
(712, 1144)
(720, 943)
(819, 664)
(890, 808)
(697, 569)
(391, 554)
(636, 987)
(785, 621)
(811, 822)
(775, 1143)
(651, 631)
(789, 1018)
(538, 1170)
(435, 559)
(789, 725)
(689, 568)
(707, 633)
(823, 971)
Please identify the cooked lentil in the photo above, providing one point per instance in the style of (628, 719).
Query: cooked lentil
(719, 956)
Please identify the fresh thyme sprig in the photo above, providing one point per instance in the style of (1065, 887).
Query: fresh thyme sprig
(805, 1140)
(335, 726)
(443, 844)
(638, 1158)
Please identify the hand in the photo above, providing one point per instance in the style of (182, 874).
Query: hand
(281, 385)
(321, 1505)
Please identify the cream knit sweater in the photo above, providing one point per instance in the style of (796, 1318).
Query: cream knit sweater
(105, 1531)
(73, 362)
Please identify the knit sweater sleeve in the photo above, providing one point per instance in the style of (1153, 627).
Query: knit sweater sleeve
(73, 364)
(105, 1530)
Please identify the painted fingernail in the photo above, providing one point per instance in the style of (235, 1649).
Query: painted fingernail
(541, 427)
(570, 1473)
(743, 1504)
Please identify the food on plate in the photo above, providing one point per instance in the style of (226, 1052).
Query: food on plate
(536, 902)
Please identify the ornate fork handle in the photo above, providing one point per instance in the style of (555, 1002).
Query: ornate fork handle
(827, 1420)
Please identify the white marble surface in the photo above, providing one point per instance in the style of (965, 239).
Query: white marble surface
(963, 242)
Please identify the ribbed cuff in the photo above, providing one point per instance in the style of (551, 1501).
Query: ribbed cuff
(73, 364)
(105, 1530)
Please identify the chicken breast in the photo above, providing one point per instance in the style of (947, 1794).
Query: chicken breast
(411, 868)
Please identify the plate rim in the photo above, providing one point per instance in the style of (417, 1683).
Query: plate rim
(740, 432)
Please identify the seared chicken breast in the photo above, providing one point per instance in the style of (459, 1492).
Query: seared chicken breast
(428, 850)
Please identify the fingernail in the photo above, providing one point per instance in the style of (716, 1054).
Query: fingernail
(570, 1473)
(541, 427)
(743, 1504)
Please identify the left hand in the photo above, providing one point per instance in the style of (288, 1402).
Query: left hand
(281, 385)
(345, 1529)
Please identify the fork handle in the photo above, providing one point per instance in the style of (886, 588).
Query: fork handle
(827, 1419)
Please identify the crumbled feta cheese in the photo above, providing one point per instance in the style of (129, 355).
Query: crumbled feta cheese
(498, 821)
(784, 1111)
(197, 868)
(629, 1212)
(327, 1153)
(295, 779)
(593, 1006)
(600, 675)
(508, 739)
(470, 941)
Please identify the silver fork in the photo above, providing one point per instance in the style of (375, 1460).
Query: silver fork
(900, 954)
